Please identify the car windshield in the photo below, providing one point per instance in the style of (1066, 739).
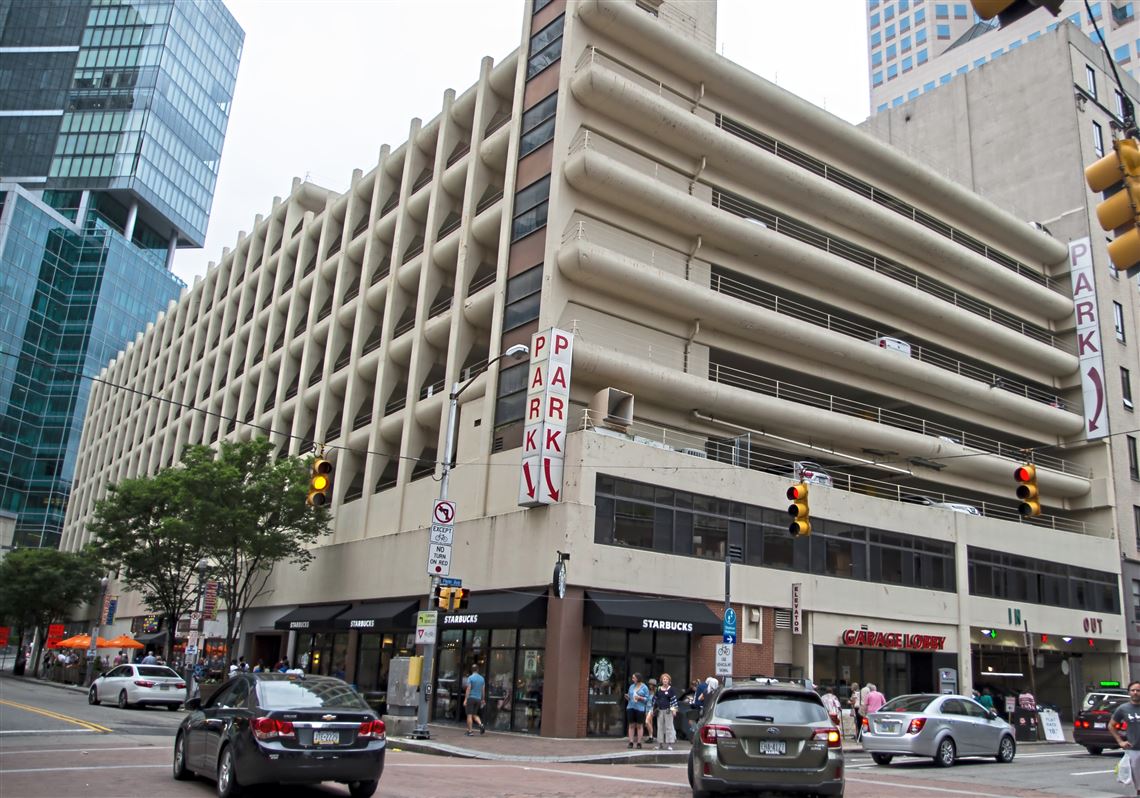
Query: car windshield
(771, 707)
(301, 694)
(157, 670)
(1108, 702)
(908, 703)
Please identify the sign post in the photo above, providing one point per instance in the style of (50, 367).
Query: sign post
(724, 662)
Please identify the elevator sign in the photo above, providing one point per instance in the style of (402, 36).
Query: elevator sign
(545, 418)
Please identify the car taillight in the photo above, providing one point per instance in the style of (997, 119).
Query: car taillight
(711, 733)
(866, 724)
(180, 686)
(270, 728)
(372, 729)
(830, 735)
(916, 726)
(144, 683)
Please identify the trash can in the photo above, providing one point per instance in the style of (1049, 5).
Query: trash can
(1025, 725)
(20, 665)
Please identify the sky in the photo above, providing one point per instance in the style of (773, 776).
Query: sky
(324, 83)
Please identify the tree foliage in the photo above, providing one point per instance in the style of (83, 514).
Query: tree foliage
(141, 529)
(39, 586)
(251, 513)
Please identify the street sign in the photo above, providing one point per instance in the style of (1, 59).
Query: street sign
(729, 638)
(443, 512)
(730, 618)
(191, 653)
(724, 660)
(439, 560)
(425, 627)
(442, 533)
(191, 641)
(451, 581)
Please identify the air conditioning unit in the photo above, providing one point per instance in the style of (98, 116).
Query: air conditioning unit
(694, 453)
(612, 408)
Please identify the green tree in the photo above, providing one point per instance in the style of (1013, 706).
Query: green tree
(39, 586)
(250, 509)
(141, 530)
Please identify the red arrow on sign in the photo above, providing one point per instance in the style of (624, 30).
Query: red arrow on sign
(530, 486)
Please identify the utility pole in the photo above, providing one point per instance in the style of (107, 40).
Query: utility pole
(427, 674)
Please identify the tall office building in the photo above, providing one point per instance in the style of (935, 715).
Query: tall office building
(915, 46)
(741, 291)
(1059, 87)
(112, 118)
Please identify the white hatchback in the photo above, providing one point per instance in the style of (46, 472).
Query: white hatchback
(139, 685)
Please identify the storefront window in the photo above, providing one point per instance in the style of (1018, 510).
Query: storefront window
(323, 653)
(511, 660)
(373, 657)
(615, 654)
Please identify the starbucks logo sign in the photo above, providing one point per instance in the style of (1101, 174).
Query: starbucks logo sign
(603, 669)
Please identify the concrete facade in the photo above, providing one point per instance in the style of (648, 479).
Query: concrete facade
(727, 254)
(1045, 87)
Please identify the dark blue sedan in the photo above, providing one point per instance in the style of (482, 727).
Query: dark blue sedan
(277, 728)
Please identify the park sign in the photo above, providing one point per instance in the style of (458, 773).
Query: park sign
(545, 417)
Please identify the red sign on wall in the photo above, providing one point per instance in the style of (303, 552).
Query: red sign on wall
(4, 630)
(863, 638)
(55, 634)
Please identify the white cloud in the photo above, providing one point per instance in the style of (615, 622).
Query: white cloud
(324, 83)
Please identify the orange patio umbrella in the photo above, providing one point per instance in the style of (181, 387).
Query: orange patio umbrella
(124, 641)
(84, 641)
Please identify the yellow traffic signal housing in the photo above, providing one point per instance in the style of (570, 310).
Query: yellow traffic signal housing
(443, 597)
(1120, 211)
(320, 483)
(1009, 10)
(1027, 493)
(798, 510)
(451, 599)
(459, 597)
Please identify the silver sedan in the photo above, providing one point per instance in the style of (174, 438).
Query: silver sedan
(139, 685)
(943, 727)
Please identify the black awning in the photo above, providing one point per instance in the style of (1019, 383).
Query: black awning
(507, 610)
(310, 618)
(380, 616)
(151, 637)
(644, 612)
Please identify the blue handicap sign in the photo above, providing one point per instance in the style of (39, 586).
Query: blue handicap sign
(729, 637)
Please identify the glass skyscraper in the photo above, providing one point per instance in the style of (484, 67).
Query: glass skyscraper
(112, 119)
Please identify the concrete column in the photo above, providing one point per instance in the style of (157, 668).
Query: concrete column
(562, 697)
(132, 217)
(962, 577)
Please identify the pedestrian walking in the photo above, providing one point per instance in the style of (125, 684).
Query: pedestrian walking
(1127, 716)
(1026, 700)
(856, 702)
(473, 700)
(831, 704)
(637, 701)
(665, 706)
(985, 699)
(874, 700)
(650, 712)
(150, 658)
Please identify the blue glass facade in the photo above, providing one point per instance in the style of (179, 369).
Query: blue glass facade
(116, 111)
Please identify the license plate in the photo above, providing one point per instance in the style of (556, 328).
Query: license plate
(164, 687)
(889, 728)
(326, 738)
(1100, 726)
(773, 747)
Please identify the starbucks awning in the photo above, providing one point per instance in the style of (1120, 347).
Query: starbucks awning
(310, 618)
(643, 612)
(380, 616)
(505, 610)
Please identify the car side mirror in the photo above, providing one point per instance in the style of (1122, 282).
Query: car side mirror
(193, 704)
(993, 715)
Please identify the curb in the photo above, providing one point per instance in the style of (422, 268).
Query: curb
(75, 688)
(617, 757)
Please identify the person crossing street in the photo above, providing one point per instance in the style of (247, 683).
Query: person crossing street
(473, 700)
(1128, 714)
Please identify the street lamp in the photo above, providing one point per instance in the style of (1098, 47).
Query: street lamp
(95, 633)
(515, 352)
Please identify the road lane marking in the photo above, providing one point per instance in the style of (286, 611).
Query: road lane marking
(57, 716)
(612, 778)
(1093, 772)
(87, 767)
(86, 750)
(48, 731)
(907, 786)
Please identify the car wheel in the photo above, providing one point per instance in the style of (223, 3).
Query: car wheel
(123, 703)
(228, 786)
(882, 759)
(362, 789)
(181, 772)
(1006, 750)
(697, 793)
(1095, 750)
(93, 695)
(173, 707)
(947, 753)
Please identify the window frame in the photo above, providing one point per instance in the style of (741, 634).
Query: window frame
(1118, 321)
(1126, 387)
(1090, 81)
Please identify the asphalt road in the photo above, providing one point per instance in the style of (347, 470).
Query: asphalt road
(53, 743)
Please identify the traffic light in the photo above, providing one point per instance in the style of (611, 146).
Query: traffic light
(451, 599)
(443, 597)
(1009, 10)
(1118, 175)
(798, 510)
(1026, 476)
(320, 483)
(459, 598)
